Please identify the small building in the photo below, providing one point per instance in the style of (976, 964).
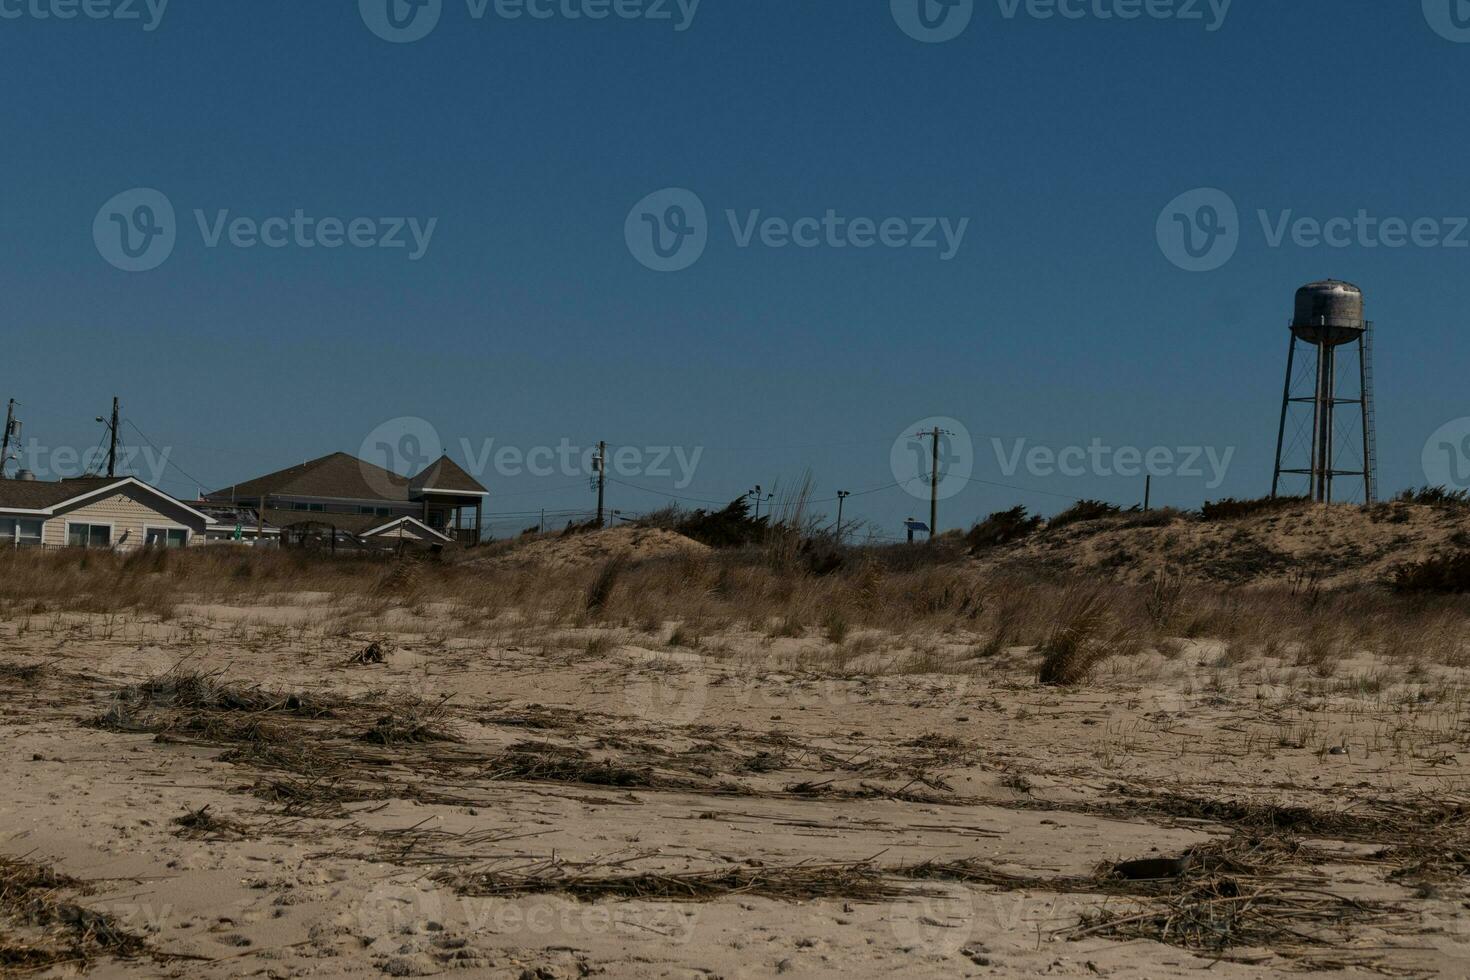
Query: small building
(111, 513)
(340, 500)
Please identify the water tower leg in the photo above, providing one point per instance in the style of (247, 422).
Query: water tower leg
(1316, 429)
(1366, 393)
(1285, 405)
(1326, 369)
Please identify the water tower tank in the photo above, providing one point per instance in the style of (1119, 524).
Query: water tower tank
(1328, 312)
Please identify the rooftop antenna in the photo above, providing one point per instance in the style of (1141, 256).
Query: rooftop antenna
(1329, 315)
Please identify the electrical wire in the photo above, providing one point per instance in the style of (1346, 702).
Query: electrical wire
(198, 484)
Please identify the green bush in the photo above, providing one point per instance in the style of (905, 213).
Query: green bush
(1002, 527)
(1083, 510)
(1231, 509)
(1435, 497)
(1444, 574)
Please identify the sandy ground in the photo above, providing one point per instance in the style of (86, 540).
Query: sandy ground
(383, 859)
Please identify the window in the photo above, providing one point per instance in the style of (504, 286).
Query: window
(25, 533)
(88, 536)
(162, 537)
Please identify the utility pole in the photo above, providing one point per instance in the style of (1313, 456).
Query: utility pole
(112, 446)
(10, 427)
(842, 496)
(1148, 491)
(934, 479)
(759, 495)
(112, 436)
(601, 479)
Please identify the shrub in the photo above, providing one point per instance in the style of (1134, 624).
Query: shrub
(1231, 509)
(1444, 574)
(1080, 642)
(601, 589)
(1083, 510)
(1435, 497)
(732, 527)
(1002, 527)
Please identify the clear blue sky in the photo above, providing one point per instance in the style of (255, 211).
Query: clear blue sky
(527, 320)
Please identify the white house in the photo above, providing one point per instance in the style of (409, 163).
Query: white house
(121, 513)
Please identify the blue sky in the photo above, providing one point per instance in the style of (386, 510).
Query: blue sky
(527, 319)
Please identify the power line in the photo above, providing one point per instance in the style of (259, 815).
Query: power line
(198, 484)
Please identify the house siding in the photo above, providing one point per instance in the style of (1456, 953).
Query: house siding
(130, 512)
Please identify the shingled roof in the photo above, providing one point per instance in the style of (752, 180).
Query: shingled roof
(46, 497)
(338, 476)
(446, 475)
(39, 495)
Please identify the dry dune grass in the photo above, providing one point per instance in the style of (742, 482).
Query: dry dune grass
(689, 595)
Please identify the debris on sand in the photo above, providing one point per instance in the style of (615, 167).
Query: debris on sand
(794, 883)
(54, 931)
(370, 654)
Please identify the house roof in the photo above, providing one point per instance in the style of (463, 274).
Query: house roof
(338, 476)
(373, 531)
(357, 525)
(39, 495)
(45, 498)
(446, 475)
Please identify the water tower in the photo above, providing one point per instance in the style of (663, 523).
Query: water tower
(1329, 316)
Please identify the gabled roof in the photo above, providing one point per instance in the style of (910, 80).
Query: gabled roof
(391, 525)
(45, 499)
(39, 495)
(447, 476)
(338, 476)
